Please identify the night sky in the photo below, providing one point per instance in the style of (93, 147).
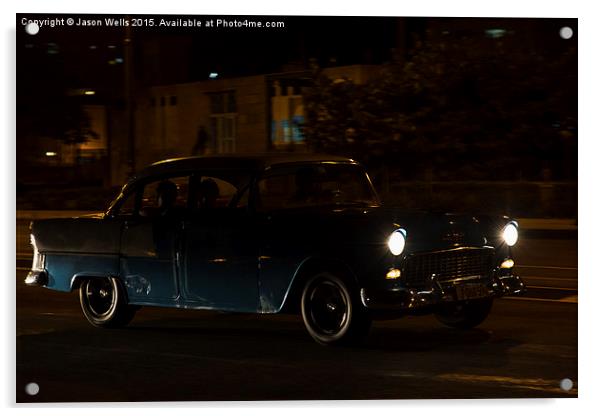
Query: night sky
(92, 57)
(81, 56)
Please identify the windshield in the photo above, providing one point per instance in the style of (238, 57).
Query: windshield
(315, 185)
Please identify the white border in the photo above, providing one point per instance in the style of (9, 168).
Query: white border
(590, 205)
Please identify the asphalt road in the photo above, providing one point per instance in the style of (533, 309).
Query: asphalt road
(524, 349)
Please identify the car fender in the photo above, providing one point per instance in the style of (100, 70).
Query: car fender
(306, 269)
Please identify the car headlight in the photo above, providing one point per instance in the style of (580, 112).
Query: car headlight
(397, 241)
(510, 233)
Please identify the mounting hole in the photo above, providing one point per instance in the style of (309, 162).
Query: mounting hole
(32, 28)
(566, 384)
(32, 389)
(566, 32)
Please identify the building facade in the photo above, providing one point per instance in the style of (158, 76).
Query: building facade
(253, 114)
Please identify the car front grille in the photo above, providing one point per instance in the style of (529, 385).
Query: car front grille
(447, 265)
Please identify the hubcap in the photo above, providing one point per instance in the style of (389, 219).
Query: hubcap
(100, 296)
(328, 308)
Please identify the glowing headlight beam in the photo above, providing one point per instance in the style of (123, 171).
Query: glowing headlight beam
(510, 233)
(397, 241)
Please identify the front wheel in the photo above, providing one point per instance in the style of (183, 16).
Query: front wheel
(464, 315)
(331, 313)
(104, 304)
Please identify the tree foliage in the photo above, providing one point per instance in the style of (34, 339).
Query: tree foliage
(465, 108)
(47, 106)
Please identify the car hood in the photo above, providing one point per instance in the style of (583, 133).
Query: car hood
(425, 230)
(436, 230)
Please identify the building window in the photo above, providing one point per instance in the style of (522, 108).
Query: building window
(223, 102)
(288, 117)
(152, 101)
(173, 100)
(223, 121)
(223, 127)
(162, 101)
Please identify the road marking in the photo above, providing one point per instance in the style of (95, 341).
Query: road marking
(568, 279)
(545, 267)
(522, 383)
(568, 299)
(552, 288)
(23, 332)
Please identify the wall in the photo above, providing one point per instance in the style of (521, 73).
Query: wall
(168, 118)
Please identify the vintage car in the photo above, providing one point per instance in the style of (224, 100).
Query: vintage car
(275, 234)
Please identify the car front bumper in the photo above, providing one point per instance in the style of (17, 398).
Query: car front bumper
(406, 299)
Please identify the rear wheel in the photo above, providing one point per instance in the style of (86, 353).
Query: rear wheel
(331, 312)
(104, 303)
(464, 315)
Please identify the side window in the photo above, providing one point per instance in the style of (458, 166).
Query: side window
(128, 206)
(314, 185)
(164, 196)
(275, 191)
(211, 192)
(243, 200)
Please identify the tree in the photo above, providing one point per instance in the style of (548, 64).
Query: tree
(475, 108)
(45, 107)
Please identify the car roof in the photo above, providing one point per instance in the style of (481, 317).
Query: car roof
(247, 162)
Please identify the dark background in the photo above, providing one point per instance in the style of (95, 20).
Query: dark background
(466, 113)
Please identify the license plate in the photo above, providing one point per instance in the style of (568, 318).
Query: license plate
(471, 291)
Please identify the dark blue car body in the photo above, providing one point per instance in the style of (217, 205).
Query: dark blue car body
(247, 256)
